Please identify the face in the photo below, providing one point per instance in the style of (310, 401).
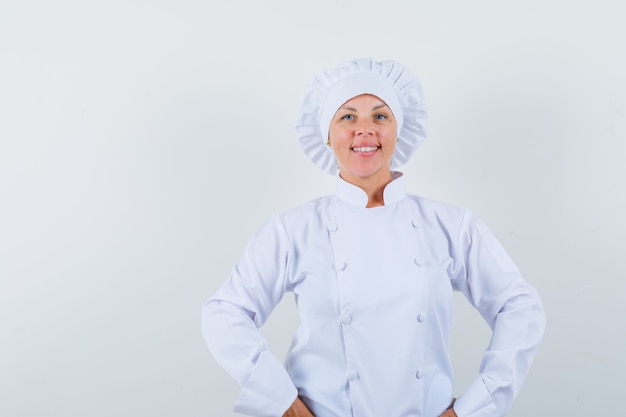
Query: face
(363, 136)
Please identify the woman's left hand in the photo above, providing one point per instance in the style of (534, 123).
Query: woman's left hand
(298, 409)
(449, 413)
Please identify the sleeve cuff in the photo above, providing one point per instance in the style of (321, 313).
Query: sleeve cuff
(476, 401)
(269, 391)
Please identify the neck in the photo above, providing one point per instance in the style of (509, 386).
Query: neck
(375, 197)
(374, 187)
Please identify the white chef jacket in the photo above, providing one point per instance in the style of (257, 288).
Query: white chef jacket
(373, 287)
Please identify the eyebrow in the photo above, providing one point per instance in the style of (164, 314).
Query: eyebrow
(380, 106)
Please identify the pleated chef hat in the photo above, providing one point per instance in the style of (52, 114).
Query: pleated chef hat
(388, 80)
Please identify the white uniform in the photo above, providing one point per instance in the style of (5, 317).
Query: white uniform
(373, 288)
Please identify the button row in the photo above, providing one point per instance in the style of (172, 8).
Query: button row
(353, 375)
(333, 227)
(347, 319)
(342, 265)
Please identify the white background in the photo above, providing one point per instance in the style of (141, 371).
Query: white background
(143, 142)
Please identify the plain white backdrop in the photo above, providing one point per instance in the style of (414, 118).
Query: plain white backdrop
(143, 142)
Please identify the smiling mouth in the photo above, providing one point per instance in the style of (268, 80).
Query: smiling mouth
(366, 149)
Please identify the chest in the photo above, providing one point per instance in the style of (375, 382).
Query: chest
(379, 263)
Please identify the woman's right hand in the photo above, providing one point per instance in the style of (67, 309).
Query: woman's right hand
(298, 409)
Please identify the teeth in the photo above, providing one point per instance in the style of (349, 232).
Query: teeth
(365, 149)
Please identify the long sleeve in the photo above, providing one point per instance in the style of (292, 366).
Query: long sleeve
(232, 317)
(491, 282)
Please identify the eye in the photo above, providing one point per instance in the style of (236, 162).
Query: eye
(381, 116)
(347, 117)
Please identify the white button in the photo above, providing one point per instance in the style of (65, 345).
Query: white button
(418, 374)
(352, 375)
(415, 223)
(340, 266)
(417, 262)
(346, 319)
(333, 227)
(421, 317)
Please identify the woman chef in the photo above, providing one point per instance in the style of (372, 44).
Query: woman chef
(372, 269)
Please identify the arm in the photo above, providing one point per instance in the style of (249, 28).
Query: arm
(231, 320)
(512, 309)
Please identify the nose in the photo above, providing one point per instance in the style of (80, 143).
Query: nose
(364, 127)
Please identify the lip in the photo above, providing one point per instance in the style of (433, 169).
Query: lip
(365, 149)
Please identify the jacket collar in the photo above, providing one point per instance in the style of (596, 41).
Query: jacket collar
(394, 191)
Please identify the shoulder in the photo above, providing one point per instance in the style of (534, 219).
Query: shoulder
(313, 214)
(306, 211)
(430, 208)
(286, 229)
(455, 221)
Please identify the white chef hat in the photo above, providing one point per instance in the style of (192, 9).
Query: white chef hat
(388, 80)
